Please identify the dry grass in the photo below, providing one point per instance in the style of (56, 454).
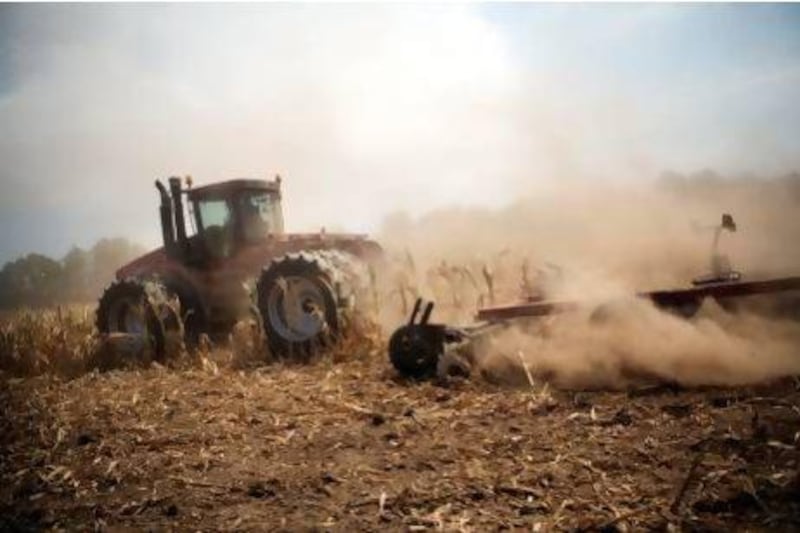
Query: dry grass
(63, 342)
(58, 341)
(346, 446)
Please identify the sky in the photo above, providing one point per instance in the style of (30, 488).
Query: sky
(367, 110)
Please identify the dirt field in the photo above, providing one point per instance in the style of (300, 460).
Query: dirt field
(350, 447)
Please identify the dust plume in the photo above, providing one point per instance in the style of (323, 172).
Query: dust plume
(642, 344)
(603, 243)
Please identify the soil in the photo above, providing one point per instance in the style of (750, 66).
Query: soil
(351, 447)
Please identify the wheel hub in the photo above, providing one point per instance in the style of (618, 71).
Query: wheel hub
(295, 309)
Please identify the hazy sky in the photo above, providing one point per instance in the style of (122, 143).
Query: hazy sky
(370, 109)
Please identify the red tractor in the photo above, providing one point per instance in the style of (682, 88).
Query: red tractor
(234, 261)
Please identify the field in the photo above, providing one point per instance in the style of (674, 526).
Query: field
(212, 442)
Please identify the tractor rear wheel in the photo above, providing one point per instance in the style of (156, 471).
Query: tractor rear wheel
(128, 306)
(301, 303)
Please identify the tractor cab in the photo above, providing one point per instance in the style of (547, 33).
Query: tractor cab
(224, 217)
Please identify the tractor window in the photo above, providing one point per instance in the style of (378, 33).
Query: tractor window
(215, 221)
(261, 215)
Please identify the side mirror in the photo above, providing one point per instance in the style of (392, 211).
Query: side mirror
(728, 223)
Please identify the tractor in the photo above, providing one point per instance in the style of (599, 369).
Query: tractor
(226, 258)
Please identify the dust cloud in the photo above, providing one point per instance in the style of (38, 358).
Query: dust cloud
(642, 344)
(603, 243)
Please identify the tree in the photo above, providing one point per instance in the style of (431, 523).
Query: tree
(32, 280)
(37, 280)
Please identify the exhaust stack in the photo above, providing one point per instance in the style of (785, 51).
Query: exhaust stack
(167, 223)
(180, 222)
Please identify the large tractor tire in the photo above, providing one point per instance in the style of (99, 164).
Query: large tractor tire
(306, 299)
(138, 309)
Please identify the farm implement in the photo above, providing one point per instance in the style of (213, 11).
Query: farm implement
(417, 348)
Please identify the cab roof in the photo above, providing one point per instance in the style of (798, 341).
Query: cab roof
(223, 188)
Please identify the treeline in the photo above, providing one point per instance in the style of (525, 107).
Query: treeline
(707, 184)
(36, 280)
